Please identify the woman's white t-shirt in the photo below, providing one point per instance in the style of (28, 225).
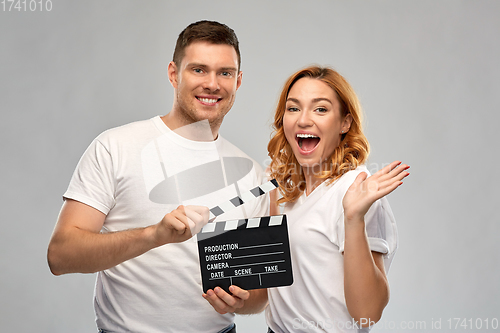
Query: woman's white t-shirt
(315, 301)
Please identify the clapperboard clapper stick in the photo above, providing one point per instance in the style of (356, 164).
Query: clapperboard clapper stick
(249, 253)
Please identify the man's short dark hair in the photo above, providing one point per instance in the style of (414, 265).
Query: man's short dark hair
(205, 31)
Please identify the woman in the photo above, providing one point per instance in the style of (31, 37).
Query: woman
(342, 231)
(342, 236)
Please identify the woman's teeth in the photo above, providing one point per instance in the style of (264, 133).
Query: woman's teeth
(306, 136)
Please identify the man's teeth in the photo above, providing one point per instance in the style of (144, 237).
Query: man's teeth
(208, 100)
(306, 136)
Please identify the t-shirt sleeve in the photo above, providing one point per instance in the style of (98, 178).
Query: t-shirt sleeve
(381, 230)
(380, 224)
(92, 182)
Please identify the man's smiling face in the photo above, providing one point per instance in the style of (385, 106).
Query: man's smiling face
(205, 83)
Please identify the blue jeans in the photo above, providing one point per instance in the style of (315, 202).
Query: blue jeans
(230, 329)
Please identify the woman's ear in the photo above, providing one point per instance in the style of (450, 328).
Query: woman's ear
(346, 125)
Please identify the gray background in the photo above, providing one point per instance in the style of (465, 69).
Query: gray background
(427, 75)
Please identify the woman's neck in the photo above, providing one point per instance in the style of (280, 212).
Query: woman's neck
(312, 180)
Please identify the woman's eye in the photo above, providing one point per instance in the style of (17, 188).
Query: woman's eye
(292, 109)
(321, 110)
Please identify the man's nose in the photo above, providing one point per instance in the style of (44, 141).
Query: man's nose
(211, 82)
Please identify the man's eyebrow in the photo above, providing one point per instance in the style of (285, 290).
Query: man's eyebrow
(228, 69)
(200, 65)
(195, 64)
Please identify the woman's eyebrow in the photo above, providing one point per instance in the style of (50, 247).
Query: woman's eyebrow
(315, 100)
(320, 99)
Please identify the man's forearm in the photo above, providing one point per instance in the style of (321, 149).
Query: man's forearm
(77, 246)
(81, 251)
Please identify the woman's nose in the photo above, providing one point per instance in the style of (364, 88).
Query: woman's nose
(304, 119)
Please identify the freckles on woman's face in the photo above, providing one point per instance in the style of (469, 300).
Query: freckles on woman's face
(312, 121)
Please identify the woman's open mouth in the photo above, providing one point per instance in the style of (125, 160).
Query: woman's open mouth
(307, 142)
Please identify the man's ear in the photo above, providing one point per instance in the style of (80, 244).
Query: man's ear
(173, 74)
(238, 80)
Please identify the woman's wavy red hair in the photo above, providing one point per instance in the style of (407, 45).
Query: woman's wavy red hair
(352, 151)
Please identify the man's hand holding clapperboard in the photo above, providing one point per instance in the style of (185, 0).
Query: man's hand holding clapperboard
(249, 253)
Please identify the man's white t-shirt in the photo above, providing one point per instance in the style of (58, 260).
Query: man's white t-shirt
(135, 174)
(315, 301)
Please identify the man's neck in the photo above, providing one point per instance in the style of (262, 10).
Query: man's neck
(195, 131)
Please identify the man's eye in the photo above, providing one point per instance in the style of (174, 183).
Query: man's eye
(197, 70)
(226, 74)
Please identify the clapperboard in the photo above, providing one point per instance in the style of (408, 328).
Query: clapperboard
(249, 253)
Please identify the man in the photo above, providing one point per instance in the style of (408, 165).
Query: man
(113, 219)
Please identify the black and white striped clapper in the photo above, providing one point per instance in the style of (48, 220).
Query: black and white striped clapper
(242, 198)
(250, 253)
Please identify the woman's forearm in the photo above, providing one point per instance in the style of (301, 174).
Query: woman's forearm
(365, 283)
